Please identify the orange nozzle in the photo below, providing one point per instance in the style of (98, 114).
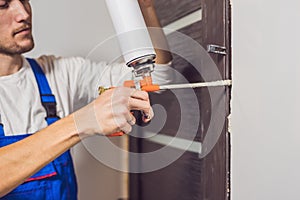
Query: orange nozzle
(150, 88)
(145, 83)
(129, 83)
(116, 134)
(147, 80)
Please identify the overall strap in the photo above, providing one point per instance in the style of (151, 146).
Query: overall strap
(1, 130)
(47, 98)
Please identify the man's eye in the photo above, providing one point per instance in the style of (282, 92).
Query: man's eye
(3, 4)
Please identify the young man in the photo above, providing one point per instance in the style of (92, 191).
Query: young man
(41, 108)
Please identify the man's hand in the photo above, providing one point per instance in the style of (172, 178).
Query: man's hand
(110, 112)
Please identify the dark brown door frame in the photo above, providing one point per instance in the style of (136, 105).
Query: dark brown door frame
(217, 30)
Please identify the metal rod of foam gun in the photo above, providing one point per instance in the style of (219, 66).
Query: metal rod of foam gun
(152, 88)
(196, 85)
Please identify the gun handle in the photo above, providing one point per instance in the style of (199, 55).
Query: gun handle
(116, 134)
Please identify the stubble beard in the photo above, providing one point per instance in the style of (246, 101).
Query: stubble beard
(16, 48)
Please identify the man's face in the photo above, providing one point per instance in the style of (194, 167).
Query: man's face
(15, 27)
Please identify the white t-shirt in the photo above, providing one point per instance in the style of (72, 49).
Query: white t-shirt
(74, 82)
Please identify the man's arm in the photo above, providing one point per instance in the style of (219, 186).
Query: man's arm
(163, 56)
(110, 113)
(22, 159)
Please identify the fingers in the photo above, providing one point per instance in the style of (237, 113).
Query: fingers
(110, 112)
(142, 95)
(125, 123)
(130, 119)
(138, 104)
(136, 100)
(144, 107)
(127, 128)
(147, 116)
(140, 101)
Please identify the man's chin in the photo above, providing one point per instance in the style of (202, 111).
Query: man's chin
(25, 47)
(29, 48)
(20, 47)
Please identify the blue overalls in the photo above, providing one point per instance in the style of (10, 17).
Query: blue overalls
(56, 181)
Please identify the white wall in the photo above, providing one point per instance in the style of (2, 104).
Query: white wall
(265, 120)
(68, 28)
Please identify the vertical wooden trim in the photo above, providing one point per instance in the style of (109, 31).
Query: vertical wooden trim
(216, 166)
(228, 68)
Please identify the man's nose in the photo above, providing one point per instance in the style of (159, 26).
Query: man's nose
(22, 12)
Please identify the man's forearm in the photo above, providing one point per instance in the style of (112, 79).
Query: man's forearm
(163, 56)
(107, 114)
(22, 159)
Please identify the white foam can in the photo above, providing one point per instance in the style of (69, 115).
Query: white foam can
(132, 32)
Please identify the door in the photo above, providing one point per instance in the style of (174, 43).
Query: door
(192, 175)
